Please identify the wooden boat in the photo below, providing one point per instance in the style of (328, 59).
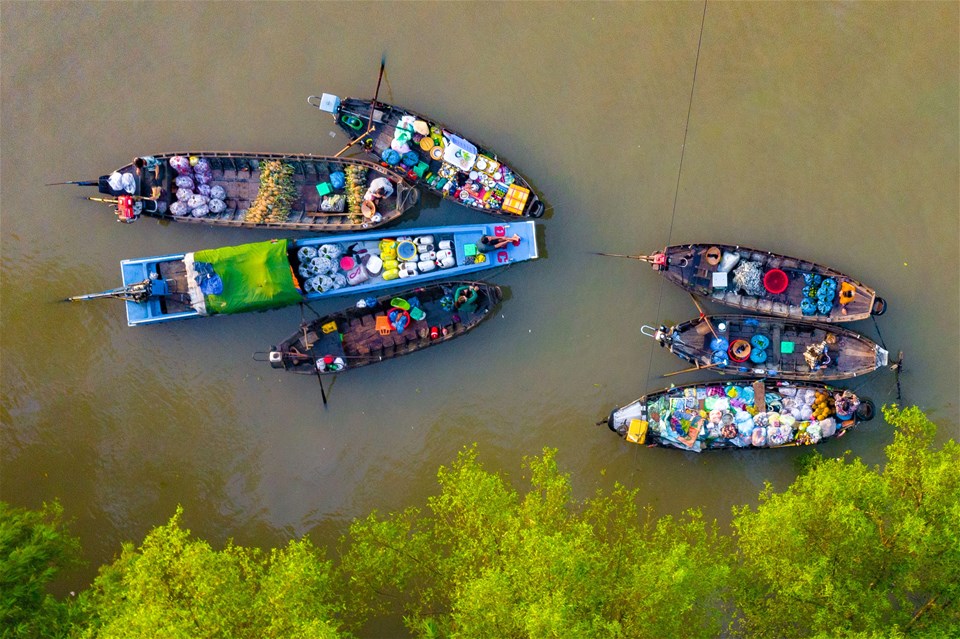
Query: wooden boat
(771, 347)
(277, 273)
(740, 414)
(433, 156)
(357, 337)
(762, 282)
(315, 193)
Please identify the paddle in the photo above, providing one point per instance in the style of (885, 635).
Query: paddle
(690, 370)
(307, 345)
(373, 105)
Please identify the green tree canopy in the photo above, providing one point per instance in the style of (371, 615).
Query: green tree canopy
(176, 586)
(486, 561)
(34, 547)
(846, 551)
(849, 550)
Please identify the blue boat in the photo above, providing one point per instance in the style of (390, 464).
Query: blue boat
(278, 273)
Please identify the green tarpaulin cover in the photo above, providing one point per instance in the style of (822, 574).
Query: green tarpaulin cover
(255, 277)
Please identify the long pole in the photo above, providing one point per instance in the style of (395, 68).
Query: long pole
(373, 106)
(704, 315)
(690, 370)
(77, 182)
(316, 361)
(642, 258)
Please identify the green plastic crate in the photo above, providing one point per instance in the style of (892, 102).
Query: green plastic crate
(786, 347)
(324, 188)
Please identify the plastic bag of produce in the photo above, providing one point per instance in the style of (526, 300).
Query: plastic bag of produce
(204, 190)
(218, 192)
(196, 200)
(202, 167)
(322, 264)
(184, 194)
(217, 206)
(759, 437)
(184, 182)
(179, 208)
(181, 165)
(200, 211)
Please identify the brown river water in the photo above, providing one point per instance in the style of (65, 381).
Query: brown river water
(828, 131)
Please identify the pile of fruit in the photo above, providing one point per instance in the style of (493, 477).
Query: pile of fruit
(823, 406)
(356, 185)
(277, 192)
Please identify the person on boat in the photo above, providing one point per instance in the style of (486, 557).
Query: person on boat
(465, 298)
(847, 292)
(489, 243)
(816, 356)
(379, 188)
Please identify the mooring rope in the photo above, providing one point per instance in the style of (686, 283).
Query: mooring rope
(683, 149)
(879, 336)
(676, 195)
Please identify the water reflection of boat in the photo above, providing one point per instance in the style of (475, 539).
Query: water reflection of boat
(386, 327)
(771, 347)
(739, 414)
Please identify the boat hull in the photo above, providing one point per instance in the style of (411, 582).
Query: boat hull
(474, 183)
(353, 337)
(720, 273)
(772, 347)
(179, 302)
(239, 175)
(694, 417)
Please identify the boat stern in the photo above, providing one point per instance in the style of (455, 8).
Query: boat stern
(150, 311)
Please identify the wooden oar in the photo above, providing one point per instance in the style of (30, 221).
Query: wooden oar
(704, 315)
(373, 106)
(309, 346)
(690, 370)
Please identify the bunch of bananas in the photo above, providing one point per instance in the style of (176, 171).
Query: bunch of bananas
(277, 192)
(356, 185)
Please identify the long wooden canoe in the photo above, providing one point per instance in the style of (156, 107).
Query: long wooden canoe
(771, 347)
(762, 282)
(276, 273)
(739, 414)
(318, 202)
(358, 336)
(433, 156)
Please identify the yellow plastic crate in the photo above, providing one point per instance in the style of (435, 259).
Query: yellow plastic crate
(329, 327)
(638, 431)
(516, 199)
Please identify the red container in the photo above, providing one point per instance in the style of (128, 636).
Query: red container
(775, 281)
